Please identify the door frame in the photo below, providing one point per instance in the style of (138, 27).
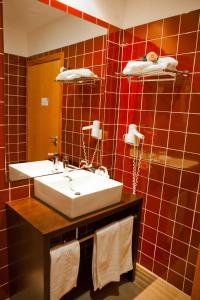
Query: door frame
(41, 60)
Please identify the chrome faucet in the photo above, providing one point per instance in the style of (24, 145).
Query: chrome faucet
(54, 157)
(68, 177)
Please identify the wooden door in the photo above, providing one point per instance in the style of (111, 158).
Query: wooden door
(44, 107)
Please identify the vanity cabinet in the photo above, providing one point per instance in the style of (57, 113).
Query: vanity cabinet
(33, 228)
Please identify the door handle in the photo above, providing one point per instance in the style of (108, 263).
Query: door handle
(54, 140)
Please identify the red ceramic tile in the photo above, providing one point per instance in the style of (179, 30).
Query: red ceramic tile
(89, 18)
(151, 219)
(168, 210)
(164, 102)
(190, 270)
(154, 29)
(140, 33)
(189, 21)
(102, 23)
(58, 5)
(164, 241)
(178, 122)
(148, 248)
(165, 226)
(194, 119)
(160, 138)
(172, 176)
(74, 12)
(154, 188)
(187, 199)
(162, 120)
(176, 140)
(170, 193)
(128, 35)
(160, 270)
(179, 249)
(18, 193)
(177, 264)
(187, 288)
(197, 221)
(198, 203)
(162, 256)
(146, 261)
(4, 197)
(169, 45)
(171, 26)
(184, 216)
(195, 238)
(149, 234)
(153, 204)
(156, 172)
(192, 255)
(182, 232)
(189, 181)
(180, 102)
(187, 42)
(195, 85)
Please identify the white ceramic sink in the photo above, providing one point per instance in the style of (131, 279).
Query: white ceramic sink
(32, 169)
(85, 192)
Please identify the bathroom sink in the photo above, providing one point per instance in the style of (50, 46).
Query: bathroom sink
(80, 193)
(32, 169)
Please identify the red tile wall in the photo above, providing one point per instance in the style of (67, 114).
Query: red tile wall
(83, 103)
(168, 114)
(15, 107)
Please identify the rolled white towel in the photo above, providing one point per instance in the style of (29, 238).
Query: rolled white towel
(75, 73)
(147, 67)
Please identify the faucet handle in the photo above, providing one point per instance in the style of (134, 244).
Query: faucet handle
(103, 171)
(65, 161)
(53, 157)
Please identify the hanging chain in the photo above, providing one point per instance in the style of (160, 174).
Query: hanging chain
(136, 167)
(85, 153)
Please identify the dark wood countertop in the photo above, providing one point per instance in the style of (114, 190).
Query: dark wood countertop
(46, 220)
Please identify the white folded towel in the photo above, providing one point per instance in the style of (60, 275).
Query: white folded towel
(136, 67)
(74, 73)
(105, 261)
(65, 262)
(126, 232)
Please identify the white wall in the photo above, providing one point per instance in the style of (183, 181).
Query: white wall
(110, 11)
(130, 13)
(143, 11)
(65, 31)
(15, 41)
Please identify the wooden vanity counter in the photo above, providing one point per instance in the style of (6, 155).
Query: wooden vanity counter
(33, 228)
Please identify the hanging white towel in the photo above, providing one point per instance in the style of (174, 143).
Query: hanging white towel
(126, 232)
(105, 261)
(65, 262)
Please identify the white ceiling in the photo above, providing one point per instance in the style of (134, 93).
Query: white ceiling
(29, 15)
(130, 13)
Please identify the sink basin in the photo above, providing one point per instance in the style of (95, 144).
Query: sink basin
(82, 193)
(32, 169)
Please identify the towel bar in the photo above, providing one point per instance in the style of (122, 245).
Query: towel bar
(91, 236)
